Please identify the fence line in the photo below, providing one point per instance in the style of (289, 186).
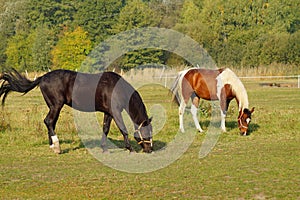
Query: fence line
(272, 77)
(266, 77)
(166, 77)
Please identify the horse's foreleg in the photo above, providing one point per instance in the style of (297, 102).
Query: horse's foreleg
(50, 122)
(223, 116)
(224, 103)
(106, 126)
(120, 123)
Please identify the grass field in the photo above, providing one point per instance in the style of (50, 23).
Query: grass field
(264, 165)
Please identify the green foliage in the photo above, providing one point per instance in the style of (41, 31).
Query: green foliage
(235, 33)
(97, 17)
(50, 13)
(136, 14)
(12, 14)
(190, 12)
(19, 55)
(30, 51)
(41, 47)
(71, 50)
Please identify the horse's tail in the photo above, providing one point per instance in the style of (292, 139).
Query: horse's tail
(175, 89)
(13, 81)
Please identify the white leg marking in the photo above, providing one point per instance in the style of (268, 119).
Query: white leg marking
(54, 139)
(181, 113)
(55, 146)
(223, 121)
(195, 118)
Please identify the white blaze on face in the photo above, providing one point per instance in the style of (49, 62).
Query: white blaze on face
(248, 120)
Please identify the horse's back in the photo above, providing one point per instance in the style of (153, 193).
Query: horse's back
(203, 82)
(86, 92)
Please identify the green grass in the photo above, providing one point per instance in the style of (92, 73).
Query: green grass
(262, 165)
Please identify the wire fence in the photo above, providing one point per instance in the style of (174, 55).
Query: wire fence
(272, 81)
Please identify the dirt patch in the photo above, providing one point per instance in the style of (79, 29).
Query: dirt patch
(278, 85)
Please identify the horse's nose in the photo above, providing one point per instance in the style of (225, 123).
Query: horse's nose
(244, 133)
(148, 150)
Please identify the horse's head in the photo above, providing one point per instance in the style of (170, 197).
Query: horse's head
(244, 120)
(143, 135)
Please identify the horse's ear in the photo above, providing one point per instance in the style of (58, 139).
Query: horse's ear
(252, 110)
(146, 122)
(150, 119)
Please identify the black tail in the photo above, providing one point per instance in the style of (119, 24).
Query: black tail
(14, 81)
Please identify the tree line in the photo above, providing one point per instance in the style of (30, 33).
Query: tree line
(41, 35)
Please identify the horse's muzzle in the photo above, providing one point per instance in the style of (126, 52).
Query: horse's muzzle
(147, 148)
(244, 133)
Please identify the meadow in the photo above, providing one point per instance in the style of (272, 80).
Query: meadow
(263, 165)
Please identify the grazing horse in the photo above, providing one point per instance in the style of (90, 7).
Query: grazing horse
(105, 92)
(221, 84)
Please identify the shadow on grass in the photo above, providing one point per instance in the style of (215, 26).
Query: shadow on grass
(111, 144)
(157, 145)
(230, 125)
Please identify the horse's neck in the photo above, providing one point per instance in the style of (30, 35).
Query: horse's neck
(137, 110)
(228, 77)
(242, 99)
(241, 94)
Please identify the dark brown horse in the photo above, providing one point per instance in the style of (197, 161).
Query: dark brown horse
(221, 84)
(105, 92)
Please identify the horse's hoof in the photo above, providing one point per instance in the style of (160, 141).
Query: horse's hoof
(56, 148)
(105, 152)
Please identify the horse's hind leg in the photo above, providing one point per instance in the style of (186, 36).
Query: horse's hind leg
(181, 113)
(194, 110)
(185, 93)
(50, 122)
(106, 126)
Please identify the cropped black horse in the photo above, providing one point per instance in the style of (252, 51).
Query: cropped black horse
(105, 92)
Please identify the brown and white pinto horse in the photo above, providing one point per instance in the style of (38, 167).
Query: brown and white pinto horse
(221, 84)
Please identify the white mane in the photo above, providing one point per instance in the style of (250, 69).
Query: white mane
(229, 77)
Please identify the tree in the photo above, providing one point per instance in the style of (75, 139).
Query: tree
(71, 49)
(230, 27)
(50, 13)
(293, 46)
(189, 21)
(137, 14)
(282, 15)
(97, 17)
(18, 51)
(12, 14)
(167, 10)
(41, 48)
